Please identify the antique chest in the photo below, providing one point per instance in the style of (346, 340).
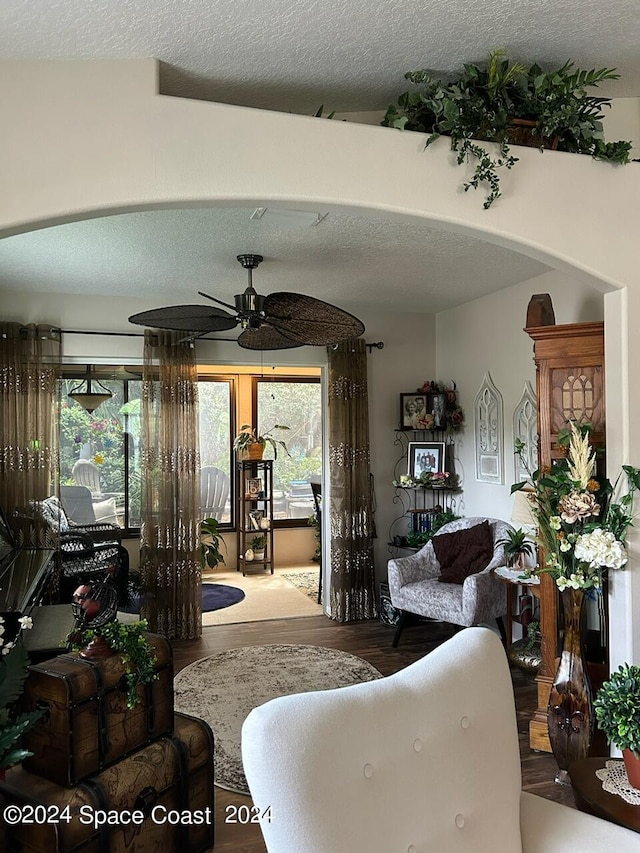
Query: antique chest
(158, 798)
(87, 725)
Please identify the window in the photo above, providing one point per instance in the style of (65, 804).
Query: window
(215, 405)
(296, 403)
(100, 450)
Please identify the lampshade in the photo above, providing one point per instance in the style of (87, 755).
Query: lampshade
(90, 399)
(521, 513)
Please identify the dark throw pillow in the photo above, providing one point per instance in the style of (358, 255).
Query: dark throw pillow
(463, 552)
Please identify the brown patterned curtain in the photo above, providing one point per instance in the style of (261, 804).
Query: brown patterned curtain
(169, 537)
(29, 396)
(352, 591)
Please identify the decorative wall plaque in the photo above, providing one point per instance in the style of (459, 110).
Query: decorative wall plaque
(525, 429)
(488, 430)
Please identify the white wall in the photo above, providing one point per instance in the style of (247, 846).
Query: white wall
(407, 360)
(494, 341)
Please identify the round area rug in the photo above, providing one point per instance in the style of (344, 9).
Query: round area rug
(215, 596)
(223, 688)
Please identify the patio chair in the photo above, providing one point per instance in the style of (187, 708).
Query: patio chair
(214, 491)
(86, 473)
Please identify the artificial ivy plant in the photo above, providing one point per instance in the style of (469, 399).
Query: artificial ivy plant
(493, 102)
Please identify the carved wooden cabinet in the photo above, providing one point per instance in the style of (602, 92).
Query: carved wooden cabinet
(570, 386)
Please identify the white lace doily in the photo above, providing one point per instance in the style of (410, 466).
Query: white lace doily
(614, 780)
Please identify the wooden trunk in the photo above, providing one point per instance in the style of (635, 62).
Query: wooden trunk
(88, 726)
(168, 785)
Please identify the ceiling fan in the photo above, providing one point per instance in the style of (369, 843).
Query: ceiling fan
(277, 321)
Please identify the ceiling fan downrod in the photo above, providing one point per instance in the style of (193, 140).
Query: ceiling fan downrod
(249, 304)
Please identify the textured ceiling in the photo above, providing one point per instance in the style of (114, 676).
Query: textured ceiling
(348, 55)
(171, 254)
(345, 54)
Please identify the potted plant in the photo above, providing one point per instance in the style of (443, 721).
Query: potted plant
(617, 707)
(210, 549)
(258, 545)
(516, 548)
(130, 643)
(248, 444)
(508, 103)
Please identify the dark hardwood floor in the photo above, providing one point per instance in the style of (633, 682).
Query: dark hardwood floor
(371, 641)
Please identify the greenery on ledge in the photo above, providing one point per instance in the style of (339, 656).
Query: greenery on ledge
(489, 104)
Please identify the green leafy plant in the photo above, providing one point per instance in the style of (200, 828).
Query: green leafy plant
(258, 543)
(249, 435)
(516, 545)
(130, 643)
(14, 668)
(210, 549)
(617, 707)
(416, 539)
(494, 103)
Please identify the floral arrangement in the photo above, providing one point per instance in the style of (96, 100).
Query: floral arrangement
(453, 414)
(14, 667)
(581, 529)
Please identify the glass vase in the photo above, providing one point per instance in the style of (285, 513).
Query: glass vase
(570, 716)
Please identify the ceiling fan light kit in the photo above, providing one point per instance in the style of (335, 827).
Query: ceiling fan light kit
(277, 321)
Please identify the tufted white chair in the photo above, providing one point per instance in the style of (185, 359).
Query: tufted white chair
(424, 761)
(414, 586)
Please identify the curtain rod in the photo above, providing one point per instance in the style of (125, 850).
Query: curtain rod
(370, 347)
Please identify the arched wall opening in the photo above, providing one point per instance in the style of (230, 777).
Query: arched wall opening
(92, 138)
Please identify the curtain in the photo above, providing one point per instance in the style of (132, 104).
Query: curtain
(169, 539)
(30, 368)
(352, 590)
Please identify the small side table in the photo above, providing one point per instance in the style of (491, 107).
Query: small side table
(591, 797)
(512, 580)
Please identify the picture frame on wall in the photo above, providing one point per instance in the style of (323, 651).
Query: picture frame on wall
(412, 406)
(425, 457)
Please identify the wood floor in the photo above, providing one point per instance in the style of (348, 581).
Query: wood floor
(371, 641)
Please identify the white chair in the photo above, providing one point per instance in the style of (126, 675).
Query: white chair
(214, 491)
(86, 473)
(424, 761)
(415, 587)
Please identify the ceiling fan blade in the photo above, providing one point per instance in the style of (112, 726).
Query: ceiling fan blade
(219, 301)
(187, 318)
(310, 321)
(264, 338)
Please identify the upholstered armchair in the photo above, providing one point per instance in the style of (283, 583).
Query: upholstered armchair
(465, 591)
(425, 761)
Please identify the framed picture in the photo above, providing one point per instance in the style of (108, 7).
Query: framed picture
(437, 404)
(253, 487)
(426, 457)
(255, 518)
(412, 406)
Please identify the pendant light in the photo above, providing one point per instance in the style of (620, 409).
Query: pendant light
(89, 399)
